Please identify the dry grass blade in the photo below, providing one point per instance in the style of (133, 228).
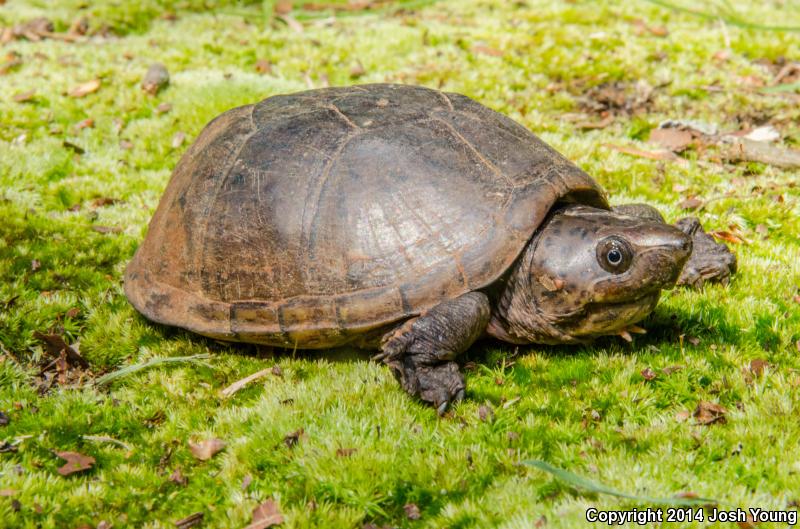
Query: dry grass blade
(152, 362)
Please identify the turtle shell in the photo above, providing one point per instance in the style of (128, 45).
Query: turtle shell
(310, 219)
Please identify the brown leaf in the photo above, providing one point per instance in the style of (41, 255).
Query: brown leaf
(246, 481)
(87, 123)
(690, 203)
(749, 523)
(727, 236)
(293, 438)
(163, 108)
(345, 452)
(206, 449)
(125, 145)
(682, 416)
(178, 139)
(190, 521)
(357, 70)
(292, 22)
(106, 229)
(648, 374)
(486, 50)
(100, 202)
(603, 123)
(263, 66)
(412, 511)
(178, 478)
(25, 97)
(265, 515)
(35, 265)
(76, 462)
(709, 413)
(54, 344)
(7, 492)
(675, 140)
(757, 366)
(282, 7)
(85, 89)
(485, 413)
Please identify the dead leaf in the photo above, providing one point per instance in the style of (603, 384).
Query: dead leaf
(178, 478)
(106, 229)
(485, 413)
(77, 149)
(25, 97)
(35, 265)
(675, 140)
(591, 125)
(87, 123)
(749, 523)
(293, 438)
(7, 492)
(283, 7)
(642, 27)
(691, 202)
(79, 26)
(708, 413)
(357, 70)
(206, 449)
(757, 366)
(682, 416)
(345, 452)
(648, 374)
(55, 344)
(76, 462)
(85, 89)
(486, 50)
(727, 236)
(100, 202)
(178, 139)
(190, 521)
(412, 511)
(246, 481)
(125, 145)
(155, 79)
(163, 108)
(239, 384)
(4, 420)
(263, 66)
(265, 515)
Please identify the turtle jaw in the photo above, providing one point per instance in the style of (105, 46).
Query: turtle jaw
(604, 319)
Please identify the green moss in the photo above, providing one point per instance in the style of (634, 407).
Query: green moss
(587, 409)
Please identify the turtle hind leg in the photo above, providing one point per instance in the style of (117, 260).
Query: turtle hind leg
(710, 262)
(422, 352)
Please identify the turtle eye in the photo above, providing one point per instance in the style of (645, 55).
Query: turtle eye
(614, 255)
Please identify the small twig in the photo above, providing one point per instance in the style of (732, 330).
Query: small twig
(127, 370)
(239, 384)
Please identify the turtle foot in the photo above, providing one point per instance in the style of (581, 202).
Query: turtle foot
(438, 384)
(710, 262)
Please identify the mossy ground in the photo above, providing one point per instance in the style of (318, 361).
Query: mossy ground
(585, 409)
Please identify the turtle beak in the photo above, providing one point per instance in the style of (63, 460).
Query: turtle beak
(673, 248)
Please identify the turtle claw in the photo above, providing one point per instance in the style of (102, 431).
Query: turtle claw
(439, 385)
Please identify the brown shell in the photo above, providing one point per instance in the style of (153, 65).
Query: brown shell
(307, 220)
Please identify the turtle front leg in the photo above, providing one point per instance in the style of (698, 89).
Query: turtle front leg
(422, 351)
(710, 262)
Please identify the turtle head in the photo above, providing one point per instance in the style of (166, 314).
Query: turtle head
(589, 272)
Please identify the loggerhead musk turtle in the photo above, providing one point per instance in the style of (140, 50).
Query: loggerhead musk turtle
(402, 219)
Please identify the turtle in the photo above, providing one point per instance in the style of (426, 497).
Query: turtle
(403, 220)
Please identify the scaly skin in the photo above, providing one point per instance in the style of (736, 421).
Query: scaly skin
(565, 288)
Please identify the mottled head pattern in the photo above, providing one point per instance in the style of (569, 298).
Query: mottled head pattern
(586, 273)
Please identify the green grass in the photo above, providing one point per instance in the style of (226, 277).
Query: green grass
(584, 409)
